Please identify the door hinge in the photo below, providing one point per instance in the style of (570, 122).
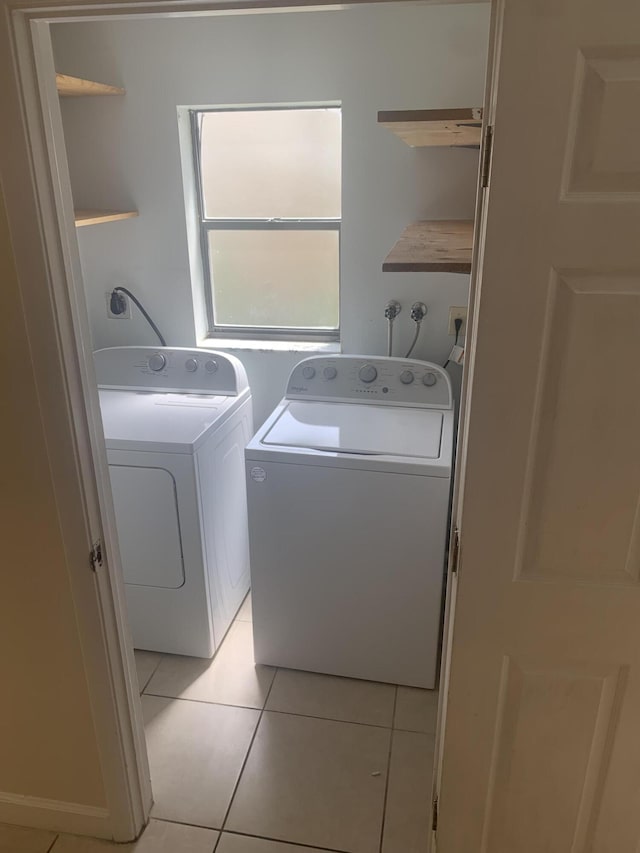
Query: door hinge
(434, 815)
(455, 550)
(486, 157)
(95, 555)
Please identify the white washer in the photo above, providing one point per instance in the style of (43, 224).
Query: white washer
(176, 422)
(348, 486)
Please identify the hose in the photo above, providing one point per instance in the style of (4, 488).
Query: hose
(415, 338)
(142, 311)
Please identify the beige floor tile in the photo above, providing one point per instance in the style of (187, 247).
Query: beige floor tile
(231, 678)
(245, 614)
(196, 752)
(314, 782)
(333, 698)
(408, 812)
(18, 839)
(246, 844)
(146, 663)
(416, 710)
(158, 837)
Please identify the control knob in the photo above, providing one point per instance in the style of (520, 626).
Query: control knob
(211, 366)
(191, 365)
(329, 373)
(429, 379)
(157, 362)
(367, 373)
(406, 377)
(308, 372)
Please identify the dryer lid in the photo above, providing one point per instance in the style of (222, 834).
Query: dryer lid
(358, 429)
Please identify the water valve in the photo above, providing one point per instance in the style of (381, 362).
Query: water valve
(418, 312)
(392, 309)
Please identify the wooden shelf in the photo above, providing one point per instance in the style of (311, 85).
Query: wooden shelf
(95, 217)
(75, 87)
(435, 246)
(460, 128)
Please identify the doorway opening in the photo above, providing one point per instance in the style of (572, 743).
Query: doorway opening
(259, 754)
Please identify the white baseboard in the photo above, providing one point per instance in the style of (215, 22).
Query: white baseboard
(55, 815)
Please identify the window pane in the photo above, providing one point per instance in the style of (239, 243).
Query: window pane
(281, 279)
(270, 164)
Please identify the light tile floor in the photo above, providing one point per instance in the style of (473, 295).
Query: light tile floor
(250, 759)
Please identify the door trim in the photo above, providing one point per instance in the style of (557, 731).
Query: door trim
(475, 287)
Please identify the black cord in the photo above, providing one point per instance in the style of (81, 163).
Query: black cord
(114, 303)
(458, 325)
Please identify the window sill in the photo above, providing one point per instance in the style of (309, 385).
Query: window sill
(270, 346)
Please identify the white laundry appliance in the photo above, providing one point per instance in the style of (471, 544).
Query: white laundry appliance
(348, 486)
(176, 422)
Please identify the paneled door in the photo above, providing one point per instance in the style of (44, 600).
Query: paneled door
(541, 750)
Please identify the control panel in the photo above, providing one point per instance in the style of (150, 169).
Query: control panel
(175, 369)
(384, 381)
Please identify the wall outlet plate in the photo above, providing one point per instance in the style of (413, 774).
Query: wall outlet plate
(458, 312)
(126, 315)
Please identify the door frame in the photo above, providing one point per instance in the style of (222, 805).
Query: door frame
(39, 207)
(475, 288)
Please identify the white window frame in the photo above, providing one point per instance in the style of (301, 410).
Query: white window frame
(206, 224)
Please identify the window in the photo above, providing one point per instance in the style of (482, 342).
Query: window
(269, 190)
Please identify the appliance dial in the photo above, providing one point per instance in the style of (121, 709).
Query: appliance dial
(211, 366)
(329, 373)
(157, 362)
(406, 377)
(429, 379)
(308, 372)
(367, 373)
(191, 365)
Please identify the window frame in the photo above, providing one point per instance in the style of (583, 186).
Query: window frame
(207, 224)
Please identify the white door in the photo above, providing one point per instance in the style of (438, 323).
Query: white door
(541, 750)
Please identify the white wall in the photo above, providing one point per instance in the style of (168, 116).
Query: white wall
(124, 153)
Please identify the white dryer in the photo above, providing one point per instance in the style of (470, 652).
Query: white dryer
(176, 422)
(348, 486)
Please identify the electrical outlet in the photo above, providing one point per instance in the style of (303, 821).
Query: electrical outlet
(126, 314)
(458, 312)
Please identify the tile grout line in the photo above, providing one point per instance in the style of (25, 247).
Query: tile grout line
(203, 702)
(164, 655)
(148, 681)
(277, 711)
(329, 719)
(286, 843)
(246, 758)
(246, 835)
(416, 732)
(183, 823)
(386, 784)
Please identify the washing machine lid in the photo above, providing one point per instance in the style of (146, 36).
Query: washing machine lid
(358, 429)
(160, 422)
